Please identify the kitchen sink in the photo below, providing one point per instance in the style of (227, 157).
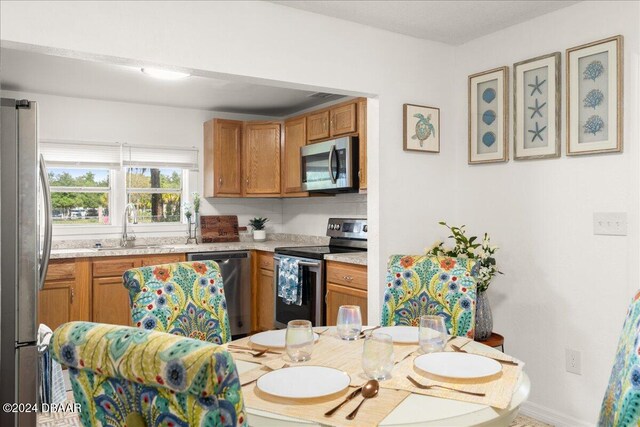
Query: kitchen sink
(123, 248)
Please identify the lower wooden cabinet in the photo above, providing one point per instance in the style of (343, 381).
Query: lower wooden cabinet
(65, 294)
(263, 291)
(346, 285)
(91, 289)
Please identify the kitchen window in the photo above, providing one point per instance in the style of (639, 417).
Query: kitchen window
(80, 196)
(156, 193)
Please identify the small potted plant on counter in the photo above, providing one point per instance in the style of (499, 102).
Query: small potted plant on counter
(259, 233)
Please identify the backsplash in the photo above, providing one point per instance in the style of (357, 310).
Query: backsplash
(310, 215)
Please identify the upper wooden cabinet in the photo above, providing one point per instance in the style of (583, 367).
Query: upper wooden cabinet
(222, 158)
(261, 162)
(318, 126)
(343, 119)
(295, 131)
(362, 143)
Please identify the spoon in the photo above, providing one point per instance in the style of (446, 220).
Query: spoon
(369, 390)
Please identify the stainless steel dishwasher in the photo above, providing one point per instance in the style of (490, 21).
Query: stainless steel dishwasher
(235, 267)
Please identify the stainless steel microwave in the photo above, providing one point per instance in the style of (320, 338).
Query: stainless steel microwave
(330, 166)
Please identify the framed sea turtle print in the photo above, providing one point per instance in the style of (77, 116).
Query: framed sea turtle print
(594, 97)
(536, 108)
(421, 128)
(488, 112)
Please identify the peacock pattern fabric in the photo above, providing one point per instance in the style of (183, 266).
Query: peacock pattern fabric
(431, 285)
(185, 298)
(125, 376)
(621, 404)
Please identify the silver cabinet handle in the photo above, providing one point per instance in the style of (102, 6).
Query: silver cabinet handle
(73, 294)
(220, 180)
(48, 225)
(347, 278)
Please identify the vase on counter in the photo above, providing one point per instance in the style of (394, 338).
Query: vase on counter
(192, 229)
(259, 235)
(484, 319)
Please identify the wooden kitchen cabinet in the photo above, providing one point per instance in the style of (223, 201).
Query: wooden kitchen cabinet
(65, 294)
(263, 292)
(294, 139)
(222, 158)
(362, 143)
(343, 119)
(318, 126)
(346, 285)
(261, 159)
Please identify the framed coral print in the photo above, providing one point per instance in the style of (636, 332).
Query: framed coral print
(421, 128)
(536, 108)
(594, 97)
(488, 112)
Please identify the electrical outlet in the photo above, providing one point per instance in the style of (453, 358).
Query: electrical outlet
(573, 361)
(610, 223)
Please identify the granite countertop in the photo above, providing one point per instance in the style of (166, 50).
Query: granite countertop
(85, 249)
(359, 258)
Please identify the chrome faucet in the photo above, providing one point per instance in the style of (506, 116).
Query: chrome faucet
(125, 239)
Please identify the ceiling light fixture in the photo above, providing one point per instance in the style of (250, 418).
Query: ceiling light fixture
(164, 74)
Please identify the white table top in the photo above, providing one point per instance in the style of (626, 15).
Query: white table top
(417, 409)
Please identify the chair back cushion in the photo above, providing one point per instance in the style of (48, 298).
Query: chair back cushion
(185, 298)
(419, 285)
(121, 374)
(621, 404)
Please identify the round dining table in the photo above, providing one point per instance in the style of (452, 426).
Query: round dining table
(416, 409)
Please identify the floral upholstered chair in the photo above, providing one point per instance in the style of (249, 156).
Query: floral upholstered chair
(184, 298)
(123, 376)
(419, 285)
(621, 404)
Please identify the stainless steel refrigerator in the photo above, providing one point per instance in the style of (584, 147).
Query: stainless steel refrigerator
(25, 235)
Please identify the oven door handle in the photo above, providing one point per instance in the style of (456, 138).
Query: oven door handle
(302, 263)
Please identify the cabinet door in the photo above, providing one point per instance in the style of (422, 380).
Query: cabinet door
(110, 301)
(338, 295)
(362, 143)
(227, 152)
(262, 159)
(54, 303)
(266, 300)
(318, 126)
(295, 132)
(343, 120)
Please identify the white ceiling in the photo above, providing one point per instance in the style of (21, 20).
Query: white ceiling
(36, 72)
(451, 22)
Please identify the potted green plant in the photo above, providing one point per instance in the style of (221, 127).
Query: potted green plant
(486, 268)
(258, 224)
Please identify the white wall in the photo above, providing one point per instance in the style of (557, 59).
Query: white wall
(264, 41)
(563, 287)
(309, 215)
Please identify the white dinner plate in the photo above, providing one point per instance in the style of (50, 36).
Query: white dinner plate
(303, 382)
(457, 365)
(273, 339)
(401, 334)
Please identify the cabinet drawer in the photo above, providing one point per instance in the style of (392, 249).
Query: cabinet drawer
(354, 276)
(162, 259)
(265, 260)
(61, 270)
(113, 267)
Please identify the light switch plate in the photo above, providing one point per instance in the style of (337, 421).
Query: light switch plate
(610, 223)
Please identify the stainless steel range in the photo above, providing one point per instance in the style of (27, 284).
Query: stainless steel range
(347, 235)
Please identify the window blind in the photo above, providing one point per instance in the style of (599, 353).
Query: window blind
(159, 157)
(82, 153)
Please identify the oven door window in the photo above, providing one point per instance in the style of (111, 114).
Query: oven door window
(306, 311)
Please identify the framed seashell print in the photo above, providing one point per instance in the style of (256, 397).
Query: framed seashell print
(488, 112)
(536, 108)
(421, 128)
(594, 97)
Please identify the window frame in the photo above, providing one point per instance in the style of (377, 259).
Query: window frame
(183, 191)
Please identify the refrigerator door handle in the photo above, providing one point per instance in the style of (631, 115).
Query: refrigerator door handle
(48, 226)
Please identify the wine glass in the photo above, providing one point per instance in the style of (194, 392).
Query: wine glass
(349, 322)
(377, 356)
(432, 333)
(299, 340)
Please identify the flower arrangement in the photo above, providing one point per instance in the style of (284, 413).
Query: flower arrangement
(465, 246)
(258, 223)
(186, 206)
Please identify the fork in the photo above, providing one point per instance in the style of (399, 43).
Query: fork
(239, 347)
(254, 354)
(427, 387)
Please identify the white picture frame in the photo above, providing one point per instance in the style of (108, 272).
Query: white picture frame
(594, 97)
(536, 108)
(488, 116)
